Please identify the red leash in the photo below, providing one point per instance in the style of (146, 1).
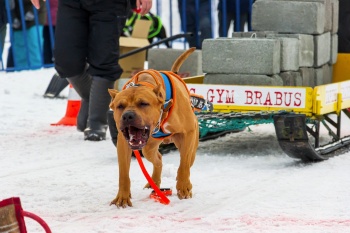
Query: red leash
(162, 198)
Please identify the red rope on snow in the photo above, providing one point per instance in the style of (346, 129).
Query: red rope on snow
(163, 199)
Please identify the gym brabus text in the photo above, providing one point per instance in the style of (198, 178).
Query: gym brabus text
(252, 97)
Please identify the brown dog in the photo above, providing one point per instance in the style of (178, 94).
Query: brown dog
(146, 114)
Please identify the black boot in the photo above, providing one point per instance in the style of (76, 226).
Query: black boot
(82, 85)
(56, 85)
(98, 107)
(113, 131)
(83, 115)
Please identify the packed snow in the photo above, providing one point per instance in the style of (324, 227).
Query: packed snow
(242, 182)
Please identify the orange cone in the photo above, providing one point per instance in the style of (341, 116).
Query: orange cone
(73, 107)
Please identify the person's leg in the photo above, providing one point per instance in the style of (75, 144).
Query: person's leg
(71, 39)
(2, 39)
(47, 47)
(19, 51)
(34, 45)
(205, 22)
(188, 14)
(70, 52)
(244, 20)
(227, 21)
(27, 50)
(107, 19)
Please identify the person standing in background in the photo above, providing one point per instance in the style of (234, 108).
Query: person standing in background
(231, 15)
(190, 18)
(26, 43)
(47, 46)
(87, 52)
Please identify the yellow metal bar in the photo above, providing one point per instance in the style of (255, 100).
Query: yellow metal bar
(345, 91)
(195, 79)
(321, 100)
(228, 98)
(331, 98)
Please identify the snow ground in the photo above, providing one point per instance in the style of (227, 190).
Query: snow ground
(241, 182)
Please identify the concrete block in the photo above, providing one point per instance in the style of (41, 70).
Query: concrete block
(163, 59)
(334, 49)
(252, 34)
(304, 17)
(322, 49)
(306, 47)
(323, 75)
(291, 79)
(307, 76)
(241, 56)
(335, 16)
(243, 79)
(289, 54)
(331, 13)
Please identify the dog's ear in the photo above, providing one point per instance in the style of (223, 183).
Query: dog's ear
(113, 92)
(159, 93)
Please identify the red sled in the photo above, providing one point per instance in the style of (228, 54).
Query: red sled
(12, 217)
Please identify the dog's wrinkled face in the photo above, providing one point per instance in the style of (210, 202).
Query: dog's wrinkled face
(136, 112)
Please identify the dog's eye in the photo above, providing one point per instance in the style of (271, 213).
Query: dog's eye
(120, 106)
(144, 104)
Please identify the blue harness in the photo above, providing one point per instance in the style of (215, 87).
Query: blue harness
(158, 131)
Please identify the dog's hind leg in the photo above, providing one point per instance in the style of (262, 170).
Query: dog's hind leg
(152, 154)
(187, 146)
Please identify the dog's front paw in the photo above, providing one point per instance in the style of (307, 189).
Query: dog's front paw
(184, 190)
(122, 200)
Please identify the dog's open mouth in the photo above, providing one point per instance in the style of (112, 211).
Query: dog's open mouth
(136, 137)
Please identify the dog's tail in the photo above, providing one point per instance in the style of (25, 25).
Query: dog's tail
(177, 64)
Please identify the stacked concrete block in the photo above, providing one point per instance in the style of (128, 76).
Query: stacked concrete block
(318, 19)
(262, 56)
(334, 48)
(294, 43)
(322, 49)
(302, 17)
(306, 47)
(242, 61)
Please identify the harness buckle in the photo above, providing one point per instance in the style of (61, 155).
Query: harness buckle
(131, 84)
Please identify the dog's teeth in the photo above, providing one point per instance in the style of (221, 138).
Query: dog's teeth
(140, 143)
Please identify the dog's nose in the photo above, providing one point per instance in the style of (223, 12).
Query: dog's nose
(128, 117)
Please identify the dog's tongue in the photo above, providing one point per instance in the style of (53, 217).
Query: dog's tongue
(135, 134)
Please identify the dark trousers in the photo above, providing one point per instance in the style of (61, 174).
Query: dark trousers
(197, 22)
(47, 50)
(231, 17)
(88, 32)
